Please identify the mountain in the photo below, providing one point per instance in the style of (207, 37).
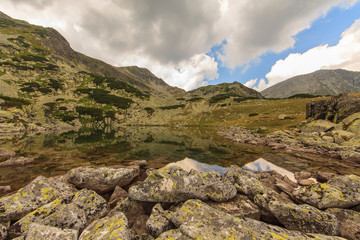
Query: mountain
(322, 82)
(45, 84)
(235, 88)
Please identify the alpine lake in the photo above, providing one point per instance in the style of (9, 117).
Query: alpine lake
(55, 153)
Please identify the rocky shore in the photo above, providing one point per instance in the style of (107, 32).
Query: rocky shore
(333, 129)
(133, 202)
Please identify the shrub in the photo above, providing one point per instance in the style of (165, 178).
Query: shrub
(149, 110)
(55, 84)
(34, 58)
(62, 108)
(45, 90)
(119, 85)
(51, 105)
(13, 102)
(253, 114)
(223, 96)
(95, 113)
(194, 99)
(67, 118)
(173, 107)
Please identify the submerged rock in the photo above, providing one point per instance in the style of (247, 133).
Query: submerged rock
(38, 231)
(102, 179)
(6, 154)
(175, 185)
(339, 192)
(158, 221)
(71, 212)
(16, 162)
(34, 195)
(109, 228)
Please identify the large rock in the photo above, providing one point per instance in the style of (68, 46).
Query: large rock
(34, 195)
(109, 228)
(158, 221)
(176, 185)
(174, 234)
(318, 126)
(102, 179)
(196, 220)
(71, 212)
(117, 196)
(6, 154)
(304, 218)
(349, 222)
(38, 231)
(334, 109)
(339, 192)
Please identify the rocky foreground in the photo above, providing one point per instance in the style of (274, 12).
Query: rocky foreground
(171, 203)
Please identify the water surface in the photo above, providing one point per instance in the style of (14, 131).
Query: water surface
(56, 153)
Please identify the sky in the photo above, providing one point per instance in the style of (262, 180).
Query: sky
(193, 43)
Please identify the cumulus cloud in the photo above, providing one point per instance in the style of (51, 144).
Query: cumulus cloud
(251, 83)
(346, 55)
(175, 35)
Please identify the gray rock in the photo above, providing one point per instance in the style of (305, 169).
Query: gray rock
(109, 228)
(16, 162)
(6, 154)
(339, 192)
(240, 206)
(302, 175)
(196, 220)
(72, 212)
(140, 163)
(3, 232)
(158, 221)
(131, 208)
(306, 182)
(37, 193)
(174, 234)
(304, 218)
(175, 185)
(37, 231)
(349, 222)
(324, 176)
(102, 179)
(118, 195)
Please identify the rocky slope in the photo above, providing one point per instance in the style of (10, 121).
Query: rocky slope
(172, 203)
(322, 82)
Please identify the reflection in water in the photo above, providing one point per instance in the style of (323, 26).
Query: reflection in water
(261, 165)
(57, 153)
(188, 164)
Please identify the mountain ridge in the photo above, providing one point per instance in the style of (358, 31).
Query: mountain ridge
(321, 82)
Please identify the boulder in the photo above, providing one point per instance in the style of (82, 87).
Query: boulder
(102, 179)
(6, 154)
(139, 225)
(304, 218)
(70, 212)
(118, 195)
(174, 234)
(197, 220)
(159, 221)
(339, 192)
(34, 195)
(16, 162)
(109, 228)
(131, 208)
(240, 206)
(318, 126)
(176, 185)
(324, 176)
(38, 231)
(349, 222)
(307, 182)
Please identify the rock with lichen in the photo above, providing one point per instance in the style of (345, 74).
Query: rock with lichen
(34, 195)
(304, 218)
(159, 221)
(339, 192)
(102, 179)
(176, 185)
(197, 220)
(174, 234)
(110, 228)
(70, 212)
(38, 231)
(349, 222)
(3, 232)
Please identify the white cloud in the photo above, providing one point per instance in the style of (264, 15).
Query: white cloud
(251, 83)
(173, 34)
(346, 55)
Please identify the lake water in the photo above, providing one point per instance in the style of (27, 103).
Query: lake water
(57, 153)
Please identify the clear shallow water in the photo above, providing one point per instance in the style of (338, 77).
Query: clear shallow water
(56, 153)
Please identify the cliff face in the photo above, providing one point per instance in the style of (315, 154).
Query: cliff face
(322, 82)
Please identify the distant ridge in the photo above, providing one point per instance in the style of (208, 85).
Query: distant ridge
(322, 82)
